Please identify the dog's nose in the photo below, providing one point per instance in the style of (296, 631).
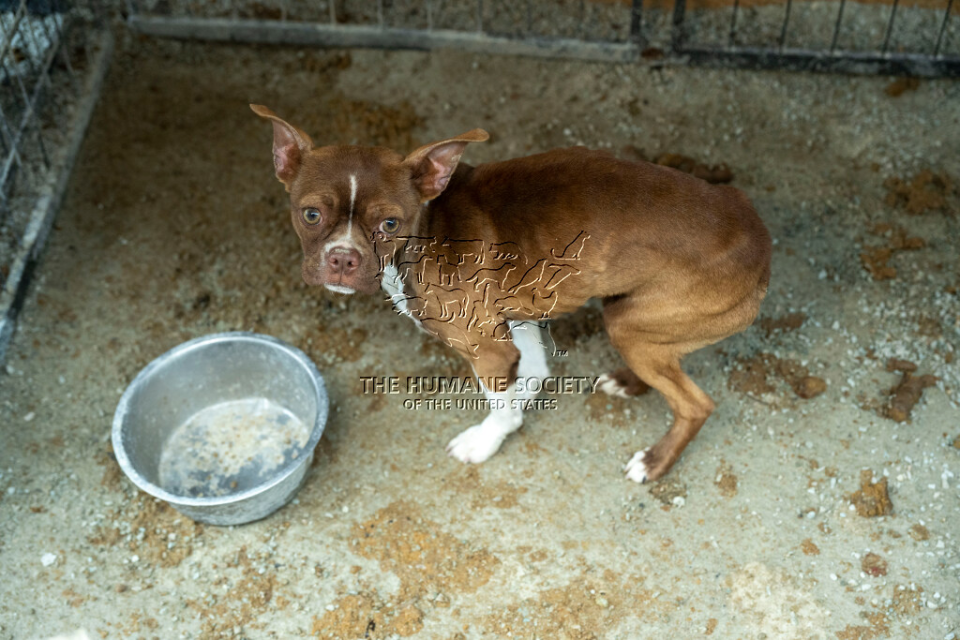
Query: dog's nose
(343, 260)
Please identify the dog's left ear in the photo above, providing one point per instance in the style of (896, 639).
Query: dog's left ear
(432, 165)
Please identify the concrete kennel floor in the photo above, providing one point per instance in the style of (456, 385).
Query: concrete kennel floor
(174, 227)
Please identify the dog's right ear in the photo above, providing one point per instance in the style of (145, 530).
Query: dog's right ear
(290, 144)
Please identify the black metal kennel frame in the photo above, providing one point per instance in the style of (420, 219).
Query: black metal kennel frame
(53, 58)
(874, 37)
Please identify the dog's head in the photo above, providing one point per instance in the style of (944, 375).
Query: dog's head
(349, 203)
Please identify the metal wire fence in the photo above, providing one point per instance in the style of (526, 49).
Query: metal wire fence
(892, 38)
(53, 56)
(904, 37)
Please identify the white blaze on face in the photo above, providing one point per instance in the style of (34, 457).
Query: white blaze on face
(345, 239)
(353, 201)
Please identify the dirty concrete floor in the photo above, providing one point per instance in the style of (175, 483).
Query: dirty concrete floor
(175, 227)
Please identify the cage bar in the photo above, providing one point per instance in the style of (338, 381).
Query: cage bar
(636, 23)
(836, 27)
(733, 24)
(943, 28)
(363, 36)
(893, 17)
(781, 41)
(39, 141)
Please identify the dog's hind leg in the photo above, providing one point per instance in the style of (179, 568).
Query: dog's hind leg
(653, 355)
(623, 383)
(659, 366)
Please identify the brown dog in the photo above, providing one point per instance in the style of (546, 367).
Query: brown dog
(480, 256)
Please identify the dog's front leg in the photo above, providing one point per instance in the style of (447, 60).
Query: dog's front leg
(505, 370)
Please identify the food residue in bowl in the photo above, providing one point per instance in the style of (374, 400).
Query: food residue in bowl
(231, 447)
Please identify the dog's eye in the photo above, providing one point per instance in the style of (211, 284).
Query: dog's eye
(311, 215)
(390, 225)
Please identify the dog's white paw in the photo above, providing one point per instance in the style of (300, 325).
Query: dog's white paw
(611, 387)
(476, 444)
(636, 470)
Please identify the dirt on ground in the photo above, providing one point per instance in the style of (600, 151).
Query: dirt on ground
(175, 227)
(876, 259)
(872, 499)
(757, 375)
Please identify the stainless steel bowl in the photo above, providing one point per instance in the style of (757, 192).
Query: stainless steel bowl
(222, 427)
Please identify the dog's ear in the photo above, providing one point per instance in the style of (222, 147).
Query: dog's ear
(289, 145)
(431, 166)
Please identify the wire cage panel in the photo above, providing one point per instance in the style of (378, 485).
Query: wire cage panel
(53, 56)
(912, 37)
(876, 37)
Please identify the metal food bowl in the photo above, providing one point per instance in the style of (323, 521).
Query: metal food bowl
(222, 427)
